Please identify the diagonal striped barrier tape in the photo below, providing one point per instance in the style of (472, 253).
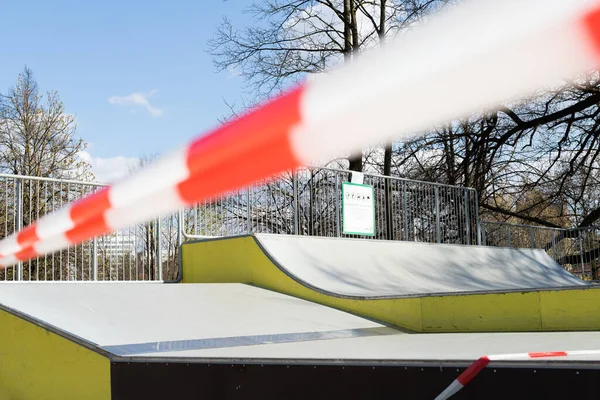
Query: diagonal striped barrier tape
(466, 376)
(466, 59)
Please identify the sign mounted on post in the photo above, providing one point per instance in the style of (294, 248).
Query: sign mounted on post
(358, 209)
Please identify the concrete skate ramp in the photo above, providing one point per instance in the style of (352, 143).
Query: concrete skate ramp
(356, 267)
(420, 287)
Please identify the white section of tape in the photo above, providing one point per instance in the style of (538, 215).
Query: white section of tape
(51, 244)
(59, 221)
(9, 245)
(157, 204)
(8, 260)
(141, 188)
(472, 57)
(450, 391)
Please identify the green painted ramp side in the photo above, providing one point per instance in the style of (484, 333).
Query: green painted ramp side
(36, 363)
(244, 260)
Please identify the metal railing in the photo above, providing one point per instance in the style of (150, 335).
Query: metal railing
(145, 252)
(308, 201)
(576, 249)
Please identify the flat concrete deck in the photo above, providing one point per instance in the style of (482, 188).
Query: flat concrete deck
(234, 321)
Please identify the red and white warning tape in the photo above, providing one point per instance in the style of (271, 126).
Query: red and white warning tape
(482, 362)
(471, 57)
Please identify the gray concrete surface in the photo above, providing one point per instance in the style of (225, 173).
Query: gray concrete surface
(240, 321)
(372, 268)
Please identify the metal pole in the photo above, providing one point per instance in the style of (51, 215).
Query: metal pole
(159, 249)
(180, 228)
(509, 241)
(532, 238)
(483, 236)
(19, 219)
(337, 205)
(295, 199)
(467, 221)
(437, 215)
(95, 257)
(581, 255)
(554, 246)
(477, 223)
(248, 212)
(404, 211)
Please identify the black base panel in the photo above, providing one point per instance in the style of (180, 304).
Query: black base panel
(157, 380)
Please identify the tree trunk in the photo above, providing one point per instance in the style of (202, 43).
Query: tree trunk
(350, 45)
(387, 152)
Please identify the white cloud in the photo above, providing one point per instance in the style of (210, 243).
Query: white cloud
(108, 170)
(137, 99)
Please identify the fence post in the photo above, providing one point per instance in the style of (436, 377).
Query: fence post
(467, 221)
(482, 237)
(437, 214)
(180, 227)
(554, 245)
(389, 218)
(95, 257)
(404, 211)
(581, 255)
(477, 222)
(19, 221)
(338, 201)
(159, 249)
(296, 208)
(248, 212)
(509, 241)
(532, 237)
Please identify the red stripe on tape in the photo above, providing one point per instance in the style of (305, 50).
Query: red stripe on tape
(95, 226)
(26, 254)
(27, 236)
(241, 152)
(548, 354)
(473, 370)
(91, 206)
(591, 23)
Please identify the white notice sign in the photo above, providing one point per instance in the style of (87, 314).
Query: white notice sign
(358, 209)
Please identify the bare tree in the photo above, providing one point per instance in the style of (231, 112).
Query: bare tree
(291, 39)
(37, 138)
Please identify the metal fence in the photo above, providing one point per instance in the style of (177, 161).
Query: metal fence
(577, 249)
(308, 201)
(144, 252)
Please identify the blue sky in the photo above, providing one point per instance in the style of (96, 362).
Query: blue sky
(108, 58)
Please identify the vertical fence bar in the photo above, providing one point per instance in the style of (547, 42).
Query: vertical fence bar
(159, 248)
(509, 238)
(438, 237)
(19, 221)
(554, 246)
(581, 255)
(95, 257)
(532, 237)
(295, 207)
(477, 222)
(338, 211)
(484, 235)
(404, 211)
(467, 222)
(248, 211)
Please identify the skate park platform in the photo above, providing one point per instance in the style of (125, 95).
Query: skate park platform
(275, 317)
(420, 287)
(234, 341)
